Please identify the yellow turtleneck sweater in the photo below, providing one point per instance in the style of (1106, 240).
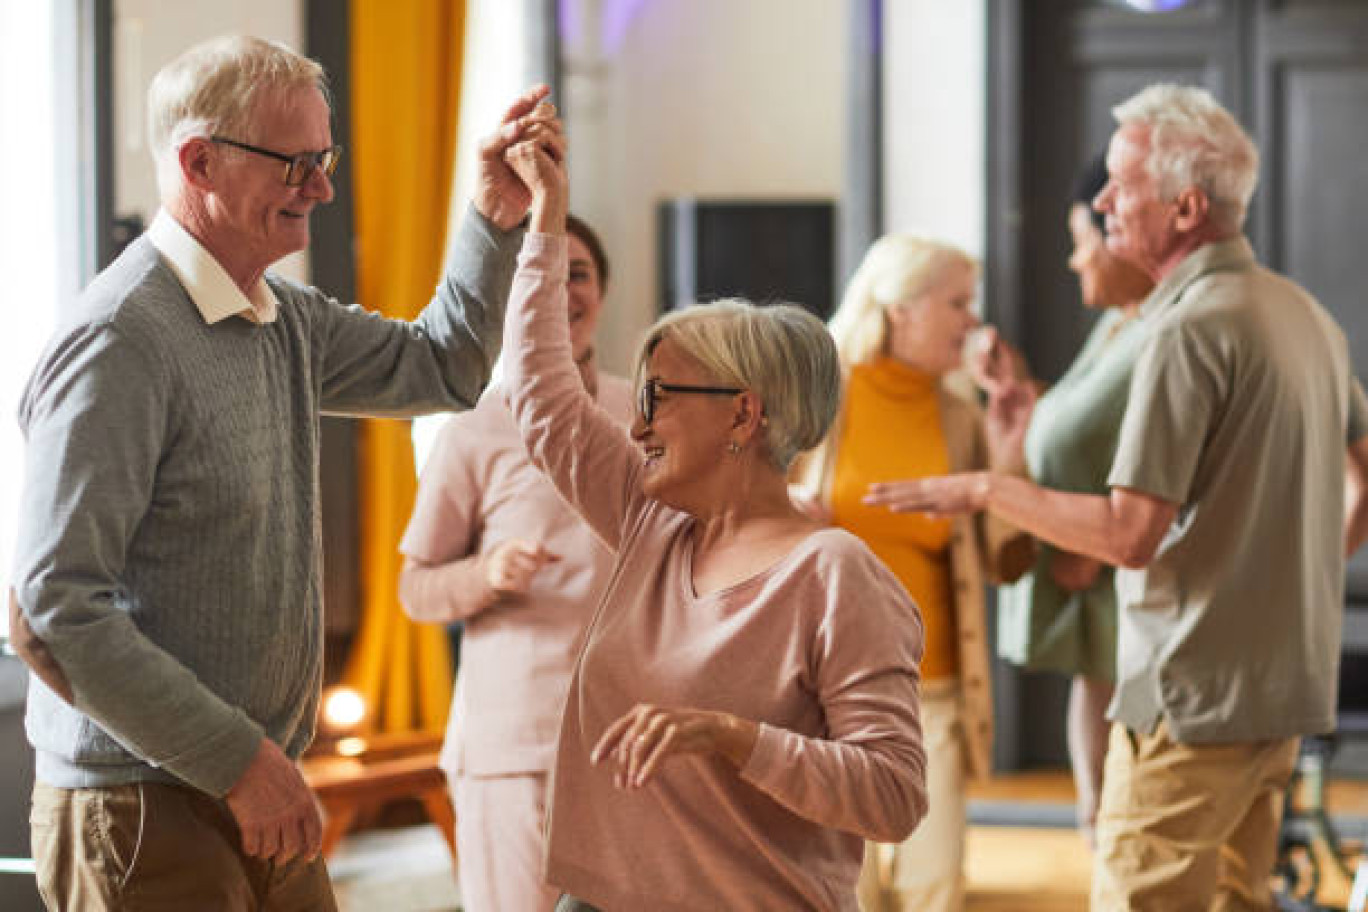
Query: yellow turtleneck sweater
(893, 431)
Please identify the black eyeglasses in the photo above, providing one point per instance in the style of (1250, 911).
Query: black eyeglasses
(650, 392)
(297, 167)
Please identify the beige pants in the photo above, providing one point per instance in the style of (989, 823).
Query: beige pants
(158, 847)
(925, 872)
(1188, 827)
(499, 836)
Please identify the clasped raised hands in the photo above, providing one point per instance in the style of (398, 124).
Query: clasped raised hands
(541, 168)
(501, 195)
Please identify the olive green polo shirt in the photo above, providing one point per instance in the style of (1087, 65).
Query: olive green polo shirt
(1242, 405)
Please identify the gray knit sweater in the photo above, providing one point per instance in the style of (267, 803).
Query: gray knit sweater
(169, 543)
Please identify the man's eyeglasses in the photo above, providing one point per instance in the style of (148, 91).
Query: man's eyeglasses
(297, 167)
(650, 392)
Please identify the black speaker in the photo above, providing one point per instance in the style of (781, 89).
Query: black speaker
(764, 250)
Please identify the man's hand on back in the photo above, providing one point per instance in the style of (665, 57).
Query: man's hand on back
(34, 654)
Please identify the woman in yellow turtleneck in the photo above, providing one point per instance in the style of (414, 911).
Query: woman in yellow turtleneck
(900, 330)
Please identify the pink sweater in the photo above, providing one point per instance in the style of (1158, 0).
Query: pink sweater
(821, 649)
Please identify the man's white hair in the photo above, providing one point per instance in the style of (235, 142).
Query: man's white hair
(1195, 142)
(213, 88)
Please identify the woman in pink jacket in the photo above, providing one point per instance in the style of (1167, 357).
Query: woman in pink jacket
(744, 709)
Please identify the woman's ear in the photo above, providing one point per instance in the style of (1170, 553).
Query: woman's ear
(750, 414)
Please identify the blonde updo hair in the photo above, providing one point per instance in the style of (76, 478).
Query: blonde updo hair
(781, 353)
(214, 88)
(897, 268)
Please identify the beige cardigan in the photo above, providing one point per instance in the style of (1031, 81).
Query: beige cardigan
(983, 550)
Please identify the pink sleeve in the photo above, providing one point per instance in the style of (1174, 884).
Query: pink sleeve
(581, 448)
(868, 774)
(444, 581)
(445, 510)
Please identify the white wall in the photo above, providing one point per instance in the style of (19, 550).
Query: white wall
(149, 34)
(494, 72)
(935, 62)
(715, 98)
(31, 258)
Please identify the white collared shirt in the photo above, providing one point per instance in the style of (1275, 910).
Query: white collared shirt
(215, 294)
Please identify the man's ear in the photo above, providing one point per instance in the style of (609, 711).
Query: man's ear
(197, 162)
(1192, 209)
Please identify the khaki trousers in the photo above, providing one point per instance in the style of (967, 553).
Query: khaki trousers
(151, 846)
(925, 872)
(1188, 826)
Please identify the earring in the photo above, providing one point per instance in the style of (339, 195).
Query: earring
(733, 447)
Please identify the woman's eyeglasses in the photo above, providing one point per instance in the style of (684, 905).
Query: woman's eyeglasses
(650, 392)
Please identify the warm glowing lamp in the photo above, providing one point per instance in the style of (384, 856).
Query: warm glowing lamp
(339, 719)
(343, 710)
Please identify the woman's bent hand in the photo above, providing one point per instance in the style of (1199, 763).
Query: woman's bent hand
(510, 566)
(641, 740)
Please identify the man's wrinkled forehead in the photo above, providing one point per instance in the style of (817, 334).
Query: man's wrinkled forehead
(1129, 145)
(285, 108)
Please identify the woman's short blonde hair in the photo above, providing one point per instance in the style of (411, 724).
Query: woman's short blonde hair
(780, 352)
(214, 87)
(897, 268)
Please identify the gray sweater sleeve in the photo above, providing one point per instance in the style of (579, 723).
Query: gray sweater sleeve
(440, 361)
(93, 452)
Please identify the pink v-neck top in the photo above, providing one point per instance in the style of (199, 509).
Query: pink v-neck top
(821, 649)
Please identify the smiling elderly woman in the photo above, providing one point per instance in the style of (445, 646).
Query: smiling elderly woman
(744, 711)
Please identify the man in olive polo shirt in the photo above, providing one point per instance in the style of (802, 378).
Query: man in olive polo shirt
(1232, 508)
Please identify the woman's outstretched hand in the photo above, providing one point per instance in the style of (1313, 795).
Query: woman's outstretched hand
(642, 739)
(966, 492)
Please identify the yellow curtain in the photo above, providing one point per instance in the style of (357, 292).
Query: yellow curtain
(405, 102)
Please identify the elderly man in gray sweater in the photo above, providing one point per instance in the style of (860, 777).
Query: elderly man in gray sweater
(167, 576)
